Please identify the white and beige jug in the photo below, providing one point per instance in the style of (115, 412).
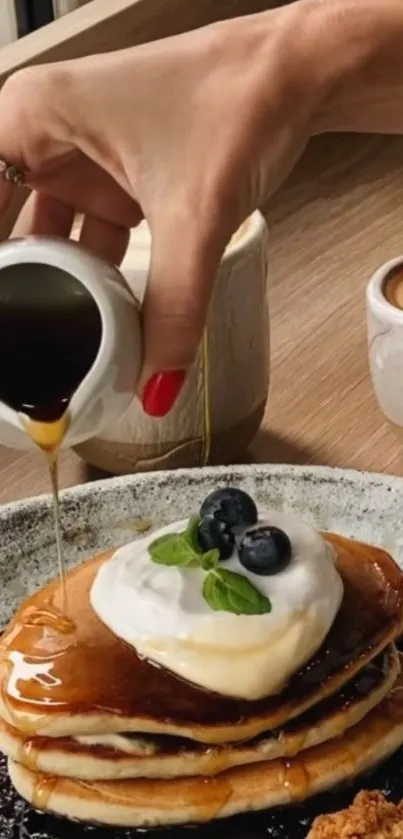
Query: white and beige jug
(222, 403)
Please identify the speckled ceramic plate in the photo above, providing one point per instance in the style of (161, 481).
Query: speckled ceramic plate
(98, 515)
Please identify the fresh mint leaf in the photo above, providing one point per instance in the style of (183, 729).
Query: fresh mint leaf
(181, 549)
(223, 590)
(214, 592)
(190, 534)
(210, 559)
(226, 591)
(173, 549)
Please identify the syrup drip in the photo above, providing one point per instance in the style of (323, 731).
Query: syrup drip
(52, 459)
(48, 436)
(44, 786)
(297, 744)
(29, 754)
(296, 779)
(206, 398)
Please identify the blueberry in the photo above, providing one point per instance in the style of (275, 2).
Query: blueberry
(266, 550)
(232, 506)
(213, 533)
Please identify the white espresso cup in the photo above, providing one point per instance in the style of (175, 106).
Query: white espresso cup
(385, 337)
(222, 402)
(109, 385)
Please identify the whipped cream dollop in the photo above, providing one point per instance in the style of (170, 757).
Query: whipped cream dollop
(160, 611)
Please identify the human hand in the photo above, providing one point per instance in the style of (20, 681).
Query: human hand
(193, 132)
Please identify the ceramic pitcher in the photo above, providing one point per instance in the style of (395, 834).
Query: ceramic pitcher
(222, 403)
(108, 388)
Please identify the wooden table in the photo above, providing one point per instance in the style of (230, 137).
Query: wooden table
(338, 217)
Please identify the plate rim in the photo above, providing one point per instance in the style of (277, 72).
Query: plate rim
(327, 474)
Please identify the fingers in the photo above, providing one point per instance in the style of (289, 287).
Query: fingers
(10, 136)
(6, 193)
(184, 262)
(78, 181)
(43, 215)
(107, 240)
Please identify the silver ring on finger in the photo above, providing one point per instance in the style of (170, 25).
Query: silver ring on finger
(12, 173)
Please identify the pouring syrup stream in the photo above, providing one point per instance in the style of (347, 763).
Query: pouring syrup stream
(48, 436)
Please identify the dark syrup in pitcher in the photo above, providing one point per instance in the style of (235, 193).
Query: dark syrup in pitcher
(50, 333)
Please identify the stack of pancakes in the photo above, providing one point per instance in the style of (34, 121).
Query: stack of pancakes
(95, 733)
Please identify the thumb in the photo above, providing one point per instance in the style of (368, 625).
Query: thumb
(184, 261)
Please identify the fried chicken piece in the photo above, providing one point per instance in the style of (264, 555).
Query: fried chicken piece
(370, 816)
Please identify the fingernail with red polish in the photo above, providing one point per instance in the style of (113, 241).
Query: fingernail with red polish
(161, 391)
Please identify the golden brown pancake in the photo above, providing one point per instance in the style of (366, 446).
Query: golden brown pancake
(62, 676)
(142, 802)
(159, 756)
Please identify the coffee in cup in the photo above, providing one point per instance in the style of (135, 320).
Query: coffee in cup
(385, 337)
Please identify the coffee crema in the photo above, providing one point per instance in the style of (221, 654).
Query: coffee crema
(393, 288)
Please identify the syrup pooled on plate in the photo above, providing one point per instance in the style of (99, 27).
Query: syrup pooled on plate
(50, 332)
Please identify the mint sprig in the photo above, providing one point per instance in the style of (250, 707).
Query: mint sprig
(226, 591)
(178, 548)
(223, 590)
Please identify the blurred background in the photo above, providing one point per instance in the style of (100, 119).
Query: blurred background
(20, 17)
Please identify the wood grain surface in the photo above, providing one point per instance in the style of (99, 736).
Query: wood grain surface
(338, 217)
(333, 223)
